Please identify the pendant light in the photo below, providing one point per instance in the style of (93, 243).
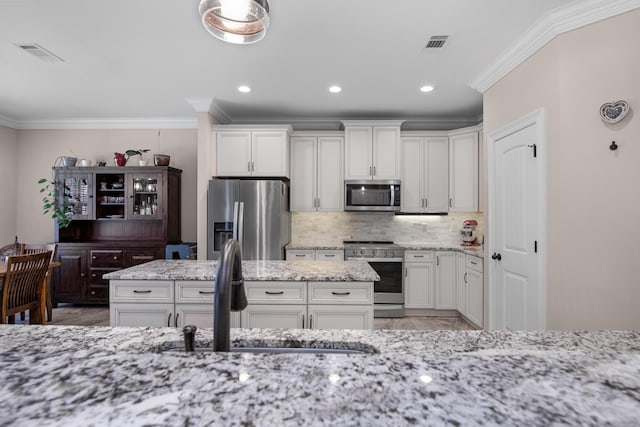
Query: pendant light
(235, 21)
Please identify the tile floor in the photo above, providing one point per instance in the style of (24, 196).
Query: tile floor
(86, 315)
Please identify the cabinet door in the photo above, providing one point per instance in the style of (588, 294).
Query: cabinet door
(146, 199)
(436, 178)
(233, 153)
(341, 317)
(461, 284)
(270, 154)
(386, 152)
(445, 280)
(474, 296)
(273, 316)
(303, 174)
(463, 173)
(200, 315)
(358, 152)
(330, 183)
(78, 188)
(72, 285)
(131, 314)
(412, 197)
(419, 279)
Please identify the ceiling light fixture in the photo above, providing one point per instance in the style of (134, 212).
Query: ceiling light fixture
(244, 89)
(335, 89)
(235, 21)
(427, 88)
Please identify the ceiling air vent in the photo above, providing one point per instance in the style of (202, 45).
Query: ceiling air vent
(40, 52)
(436, 42)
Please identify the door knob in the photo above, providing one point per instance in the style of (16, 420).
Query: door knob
(496, 256)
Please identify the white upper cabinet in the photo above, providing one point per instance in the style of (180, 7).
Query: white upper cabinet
(425, 174)
(316, 173)
(372, 150)
(463, 172)
(252, 152)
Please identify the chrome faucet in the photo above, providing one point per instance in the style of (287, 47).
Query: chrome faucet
(229, 293)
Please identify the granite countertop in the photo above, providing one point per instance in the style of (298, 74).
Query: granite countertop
(410, 245)
(321, 271)
(63, 376)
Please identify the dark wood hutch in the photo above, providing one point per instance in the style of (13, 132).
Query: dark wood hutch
(122, 216)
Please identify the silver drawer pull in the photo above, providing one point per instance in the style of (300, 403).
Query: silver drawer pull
(418, 256)
(473, 262)
(340, 293)
(301, 255)
(329, 255)
(274, 293)
(206, 292)
(135, 291)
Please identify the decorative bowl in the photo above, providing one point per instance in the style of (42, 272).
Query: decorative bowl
(161, 159)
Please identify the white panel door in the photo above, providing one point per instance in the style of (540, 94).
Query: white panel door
(419, 282)
(233, 153)
(330, 174)
(517, 295)
(303, 173)
(412, 197)
(445, 280)
(386, 152)
(270, 154)
(341, 317)
(358, 152)
(436, 185)
(463, 179)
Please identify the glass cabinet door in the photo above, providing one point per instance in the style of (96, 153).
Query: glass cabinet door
(145, 194)
(78, 191)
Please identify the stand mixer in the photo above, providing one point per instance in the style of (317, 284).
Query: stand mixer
(468, 233)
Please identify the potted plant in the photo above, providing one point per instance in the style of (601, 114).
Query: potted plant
(138, 152)
(54, 204)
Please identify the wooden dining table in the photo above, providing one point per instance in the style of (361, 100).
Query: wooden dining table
(52, 265)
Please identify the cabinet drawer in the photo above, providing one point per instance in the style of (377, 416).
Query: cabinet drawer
(340, 293)
(95, 277)
(107, 258)
(300, 254)
(192, 291)
(329, 255)
(140, 256)
(419, 256)
(99, 293)
(474, 263)
(141, 290)
(276, 292)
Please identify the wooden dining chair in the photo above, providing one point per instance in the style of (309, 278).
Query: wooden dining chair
(24, 287)
(34, 248)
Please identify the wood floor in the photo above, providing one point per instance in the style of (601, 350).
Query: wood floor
(87, 315)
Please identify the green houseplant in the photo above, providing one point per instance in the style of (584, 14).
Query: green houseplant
(138, 152)
(54, 203)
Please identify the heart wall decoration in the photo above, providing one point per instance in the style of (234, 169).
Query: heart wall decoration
(613, 112)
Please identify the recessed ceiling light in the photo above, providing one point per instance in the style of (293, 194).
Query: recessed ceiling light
(335, 89)
(426, 88)
(244, 89)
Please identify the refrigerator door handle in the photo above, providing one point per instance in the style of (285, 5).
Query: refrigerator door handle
(236, 207)
(241, 223)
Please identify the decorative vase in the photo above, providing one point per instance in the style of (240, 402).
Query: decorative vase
(119, 159)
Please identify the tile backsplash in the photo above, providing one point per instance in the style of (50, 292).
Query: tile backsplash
(338, 226)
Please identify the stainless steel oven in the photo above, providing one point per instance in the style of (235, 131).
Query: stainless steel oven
(386, 259)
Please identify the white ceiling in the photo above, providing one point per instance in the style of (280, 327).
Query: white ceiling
(142, 59)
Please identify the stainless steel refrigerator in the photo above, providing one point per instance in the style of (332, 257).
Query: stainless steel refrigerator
(256, 210)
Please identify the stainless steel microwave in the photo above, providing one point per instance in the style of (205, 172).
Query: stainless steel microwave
(368, 195)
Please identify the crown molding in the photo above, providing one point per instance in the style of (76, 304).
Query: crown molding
(553, 23)
(6, 121)
(200, 104)
(157, 123)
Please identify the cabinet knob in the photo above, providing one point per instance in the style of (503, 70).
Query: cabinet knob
(115, 258)
(94, 275)
(83, 275)
(93, 292)
(94, 257)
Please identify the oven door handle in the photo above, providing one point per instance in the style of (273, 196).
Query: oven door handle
(374, 259)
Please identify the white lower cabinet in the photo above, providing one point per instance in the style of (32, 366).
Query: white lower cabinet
(340, 317)
(470, 288)
(140, 314)
(274, 316)
(419, 279)
(445, 280)
(315, 254)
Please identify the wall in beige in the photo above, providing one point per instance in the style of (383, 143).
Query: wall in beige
(8, 189)
(593, 201)
(37, 151)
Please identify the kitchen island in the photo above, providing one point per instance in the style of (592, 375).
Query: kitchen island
(56, 375)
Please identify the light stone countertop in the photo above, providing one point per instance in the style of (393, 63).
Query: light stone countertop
(63, 376)
(321, 271)
(409, 245)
